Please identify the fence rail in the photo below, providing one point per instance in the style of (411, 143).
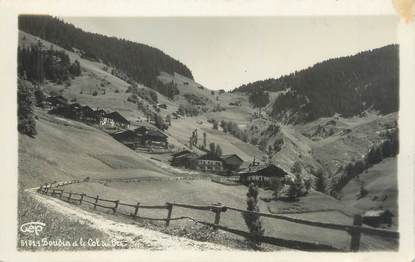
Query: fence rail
(355, 230)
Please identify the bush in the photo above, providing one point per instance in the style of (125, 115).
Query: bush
(95, 93)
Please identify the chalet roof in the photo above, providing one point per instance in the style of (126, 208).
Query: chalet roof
(210, 156)
(156, 133)
(87, 108)
(57, 99)
(183, 152)
(225, 157)
(264, 168)
(377, 213)
(75, 105)
(125, 134)
(117, 117)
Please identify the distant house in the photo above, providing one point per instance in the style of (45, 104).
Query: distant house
(376, 218)
(231, 162)
(72, 111)
(152, 137)
(128, 138)
(209, 163)
(184, 159)
(100, 113)
(113, 120)
(261, 174)
(56, 101)
(88, 114)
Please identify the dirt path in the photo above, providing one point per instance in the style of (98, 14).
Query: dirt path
(125, 233)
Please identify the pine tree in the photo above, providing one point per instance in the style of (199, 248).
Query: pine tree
(204, 140)
(25, 115)
(253, 221)
(218, 151)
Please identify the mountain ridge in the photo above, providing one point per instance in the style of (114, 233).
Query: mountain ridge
(334, 85)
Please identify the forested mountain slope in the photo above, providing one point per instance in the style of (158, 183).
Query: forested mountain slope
(140, 62)
(347, 86)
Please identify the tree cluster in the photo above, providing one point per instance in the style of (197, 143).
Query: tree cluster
(36, 65)
(233, 129)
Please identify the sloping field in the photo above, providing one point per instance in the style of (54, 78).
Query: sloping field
(339, 150)
(381, 183)
(205, 193)
(65, 149)
(182, 129)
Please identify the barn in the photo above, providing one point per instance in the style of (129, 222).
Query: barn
(231, 162)
(261, 174)
(128, 138)
(376, 218)
(152, 137)
(113, 120)
(184, 158)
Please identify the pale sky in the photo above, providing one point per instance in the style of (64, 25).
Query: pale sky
(225, 52)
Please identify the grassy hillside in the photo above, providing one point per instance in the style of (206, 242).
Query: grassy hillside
(382, 187)
(65, 149)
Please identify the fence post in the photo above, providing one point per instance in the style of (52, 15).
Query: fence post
(46, 190)
(70, 196)
(96, 201)
(53, 192)
(217, 215)
(136, 209)
(82, 198)
(355, 234)
(116, 206)
(169, 211)
(60, 196)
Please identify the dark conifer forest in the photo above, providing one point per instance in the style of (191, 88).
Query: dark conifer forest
(346, 85)
(36, 64)
(140, 62)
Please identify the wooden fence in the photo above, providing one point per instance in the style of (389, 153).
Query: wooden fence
(355, 230)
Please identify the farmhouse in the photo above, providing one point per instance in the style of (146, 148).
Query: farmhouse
(88, 114)
(261, 174)
(113, 120)
(152, 137)
(71, 111)
(375, 218)
(99, 113)
(56, 101)
(184, 159)
(209, 162)
(231, 162)
(128, 138)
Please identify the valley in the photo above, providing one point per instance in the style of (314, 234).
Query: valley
(347, 154)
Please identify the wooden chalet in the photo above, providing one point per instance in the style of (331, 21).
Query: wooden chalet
(261, 174)
(376, 218)
(114, 120)
(152, 137)
(56, 101)
(209, 163)
(88, 114)
(184, 159)
(128, 138)
(232, 162)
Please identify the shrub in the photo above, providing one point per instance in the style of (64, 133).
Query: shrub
(95, 93)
